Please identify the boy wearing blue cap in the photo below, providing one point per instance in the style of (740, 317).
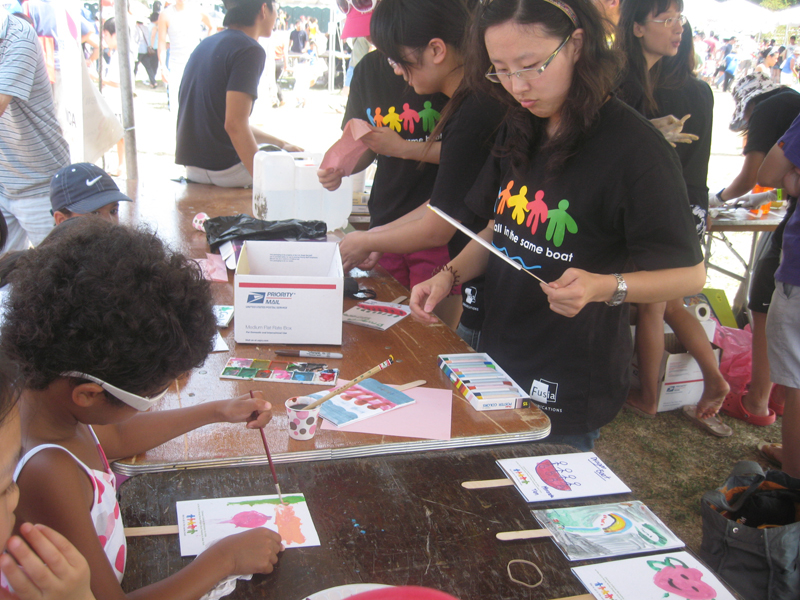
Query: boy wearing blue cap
(85, 189)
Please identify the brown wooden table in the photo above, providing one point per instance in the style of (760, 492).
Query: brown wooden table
(169, 209)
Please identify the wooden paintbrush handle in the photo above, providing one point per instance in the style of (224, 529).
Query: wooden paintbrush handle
(526, 534)
(385, 364)
(410, 385)
(486, 483)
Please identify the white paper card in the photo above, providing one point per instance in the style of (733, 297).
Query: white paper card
(203, 522)
(562, 476)
(670, 576)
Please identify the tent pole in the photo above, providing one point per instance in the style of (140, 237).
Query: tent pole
(126, 87)
(333, 31)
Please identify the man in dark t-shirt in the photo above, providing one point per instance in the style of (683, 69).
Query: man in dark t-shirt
(215, 140)
(298, 39)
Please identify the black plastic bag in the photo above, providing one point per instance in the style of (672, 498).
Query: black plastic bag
(244, 227)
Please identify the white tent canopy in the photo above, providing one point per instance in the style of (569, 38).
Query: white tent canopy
(731, 16)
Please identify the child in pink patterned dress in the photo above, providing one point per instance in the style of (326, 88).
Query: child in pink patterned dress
(101, 322)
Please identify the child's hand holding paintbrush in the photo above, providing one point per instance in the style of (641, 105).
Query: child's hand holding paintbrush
(250, 408)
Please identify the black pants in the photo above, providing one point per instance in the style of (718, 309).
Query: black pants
(150, 62)
(727, 82)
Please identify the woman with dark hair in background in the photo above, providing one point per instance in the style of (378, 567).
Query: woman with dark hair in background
(424, 41)
(586, 185)
(659, 82)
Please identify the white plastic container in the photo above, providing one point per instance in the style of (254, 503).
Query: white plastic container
(285, 186)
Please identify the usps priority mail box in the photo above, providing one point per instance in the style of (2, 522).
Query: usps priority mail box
(288, 293)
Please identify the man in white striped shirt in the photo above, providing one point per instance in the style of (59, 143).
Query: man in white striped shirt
(32, 148)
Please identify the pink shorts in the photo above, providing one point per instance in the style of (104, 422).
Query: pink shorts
(414, 268)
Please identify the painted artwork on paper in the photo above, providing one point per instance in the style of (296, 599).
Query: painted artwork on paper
(606, 530)
(562, 476)
(671, 576)
(362, 401)
(203, 522)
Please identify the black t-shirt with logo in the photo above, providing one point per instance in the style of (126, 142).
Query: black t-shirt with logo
(467, 143)
(228, 61)
(620, 198)
(377, 95)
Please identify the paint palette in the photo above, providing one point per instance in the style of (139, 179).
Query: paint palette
(276, 371)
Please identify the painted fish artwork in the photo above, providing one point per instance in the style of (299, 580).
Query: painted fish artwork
(671, 576)
(606, 530)
(203, 522)
(376, 315)
(367, 399)
(562, 476)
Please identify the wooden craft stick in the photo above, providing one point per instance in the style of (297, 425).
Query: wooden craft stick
(486, 483)
(157, 530)
(525, 534)
(269, 458)
(484, 243)
(399, 299)
(410, 385)
(385, 364)
(581, 597)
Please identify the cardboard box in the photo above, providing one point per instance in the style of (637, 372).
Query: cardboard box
(288, 293)
(680, 378)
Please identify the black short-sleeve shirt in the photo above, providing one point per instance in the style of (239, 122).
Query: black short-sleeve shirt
(770, 120)
(621, 197)
(228, 61)
(467, 142)
(377, 95)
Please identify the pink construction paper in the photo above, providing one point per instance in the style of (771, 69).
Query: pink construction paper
(213, 267)
(344, 154)
(428, 418)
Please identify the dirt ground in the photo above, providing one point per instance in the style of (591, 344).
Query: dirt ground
(667, 461)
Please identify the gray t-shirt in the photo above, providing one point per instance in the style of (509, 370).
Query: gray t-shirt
(32, 148)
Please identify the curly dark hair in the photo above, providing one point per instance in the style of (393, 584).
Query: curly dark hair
(592, 80)
(110, 301)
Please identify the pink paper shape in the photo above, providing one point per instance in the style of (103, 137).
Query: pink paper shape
(344, 154)
(429, 418)
(213, 267)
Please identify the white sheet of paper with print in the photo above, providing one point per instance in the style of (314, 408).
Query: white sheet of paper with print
(562, 476)
(669, 576)
(203, 522)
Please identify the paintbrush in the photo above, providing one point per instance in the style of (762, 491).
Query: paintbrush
(269, 458)
(484, 243)
(372, 371)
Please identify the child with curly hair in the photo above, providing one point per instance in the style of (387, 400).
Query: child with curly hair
(101, 321)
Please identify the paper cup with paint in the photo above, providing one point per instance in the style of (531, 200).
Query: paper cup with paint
(302, 422)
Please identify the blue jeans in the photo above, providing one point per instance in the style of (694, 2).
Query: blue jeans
(471, 336)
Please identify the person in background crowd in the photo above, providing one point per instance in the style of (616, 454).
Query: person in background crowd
(32, 146)
(298, 39)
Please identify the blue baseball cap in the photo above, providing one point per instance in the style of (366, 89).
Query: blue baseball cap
(83, 188)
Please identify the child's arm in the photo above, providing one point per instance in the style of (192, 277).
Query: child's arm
(50, 568)
(147, 430)
(55, 491)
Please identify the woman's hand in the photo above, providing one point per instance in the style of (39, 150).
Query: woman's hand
(426, 295)
(575, 289)
(330, 178)
(353, 250)
(48, 567)
(386, 141)
(672, 129)
(244, 408)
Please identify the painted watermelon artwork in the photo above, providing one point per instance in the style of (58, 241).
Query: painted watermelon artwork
(550, 476)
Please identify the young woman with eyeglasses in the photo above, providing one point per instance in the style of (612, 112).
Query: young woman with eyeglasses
(578, 186)
(659, 82)
(424, 41)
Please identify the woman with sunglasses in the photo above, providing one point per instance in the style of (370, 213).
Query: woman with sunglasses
(577, 187)
(424, 41)
(659, 82)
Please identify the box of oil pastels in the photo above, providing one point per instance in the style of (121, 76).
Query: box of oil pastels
(482, 382)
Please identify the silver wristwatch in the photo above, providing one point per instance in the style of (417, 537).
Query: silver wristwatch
(621, 292)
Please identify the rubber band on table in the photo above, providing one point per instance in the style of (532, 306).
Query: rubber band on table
(526, 562)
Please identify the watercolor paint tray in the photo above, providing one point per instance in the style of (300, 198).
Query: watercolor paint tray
(482, 382)
(279, 371)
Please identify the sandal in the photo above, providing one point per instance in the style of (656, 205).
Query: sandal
(712, 425)
(732, 406)
(775, 393)
(767, 451)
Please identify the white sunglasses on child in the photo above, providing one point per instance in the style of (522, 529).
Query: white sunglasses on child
(140, 403)
(362, 6)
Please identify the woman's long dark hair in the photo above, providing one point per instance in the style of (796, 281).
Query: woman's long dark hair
(592, 79)
(677, 70)
(639, 11)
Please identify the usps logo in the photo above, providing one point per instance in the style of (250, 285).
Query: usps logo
(256, 297)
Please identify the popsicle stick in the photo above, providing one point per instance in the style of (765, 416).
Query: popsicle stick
(409, 385)
(399, 299)
(486, 483)
(385, 364)
(156, 530)
(484, 243)
(525, 534)
(581, 597)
